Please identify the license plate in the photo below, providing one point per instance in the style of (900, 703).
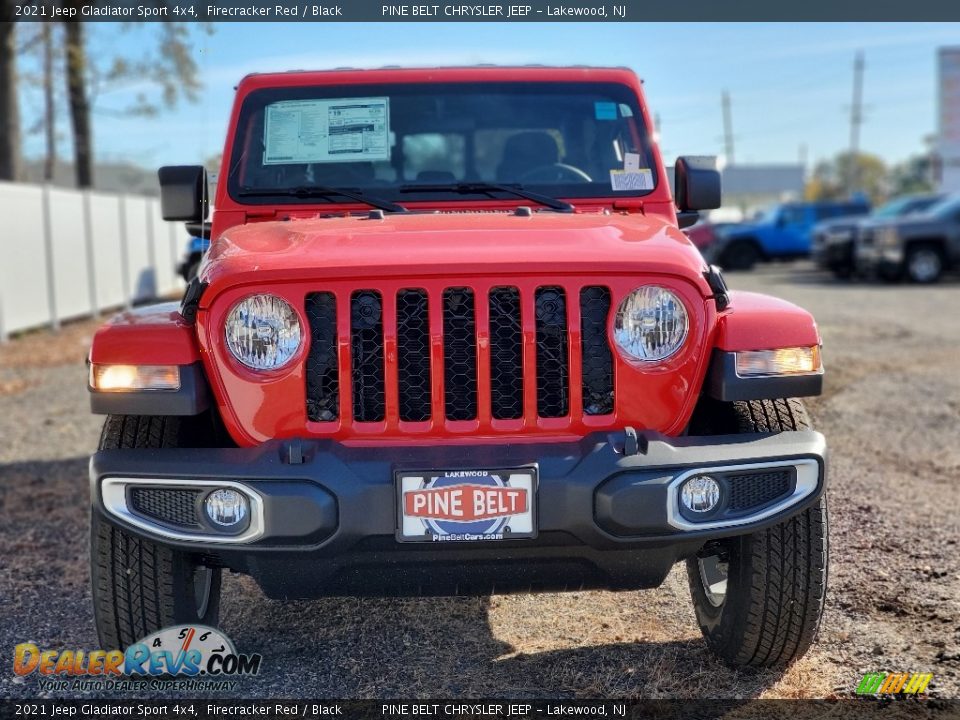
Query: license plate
(466, 505)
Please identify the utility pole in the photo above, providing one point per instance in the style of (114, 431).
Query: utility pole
(727, 128)
(856, 120)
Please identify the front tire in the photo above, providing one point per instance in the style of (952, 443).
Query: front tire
(759, 598)
(924, 264)
(140, 587)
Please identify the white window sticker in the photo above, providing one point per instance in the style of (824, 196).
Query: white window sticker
(327, 131)
(631, 162)
(622, 180)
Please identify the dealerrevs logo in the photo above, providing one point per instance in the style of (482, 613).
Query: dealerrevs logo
(185, 652)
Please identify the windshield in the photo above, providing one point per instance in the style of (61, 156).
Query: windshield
(905, 206)
(947, 208)
(563, 140)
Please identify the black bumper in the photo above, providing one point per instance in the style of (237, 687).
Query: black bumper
(604, 517)
(834, 254)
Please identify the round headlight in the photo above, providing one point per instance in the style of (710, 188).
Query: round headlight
(263, 332)
(651, 324)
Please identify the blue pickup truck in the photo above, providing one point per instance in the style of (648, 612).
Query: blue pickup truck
(198, 244)
(780, 232)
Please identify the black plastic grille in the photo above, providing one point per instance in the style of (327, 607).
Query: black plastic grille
(597, 359)
(506, 354)
(413, 355)
(367, 367)
(752, 490)
(459, 354)
(323, 381)
(174, 507)
(553, 386)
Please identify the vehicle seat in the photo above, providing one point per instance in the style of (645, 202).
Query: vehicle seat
(527, 151)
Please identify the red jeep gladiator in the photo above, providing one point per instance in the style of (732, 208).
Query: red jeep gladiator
(449, 338)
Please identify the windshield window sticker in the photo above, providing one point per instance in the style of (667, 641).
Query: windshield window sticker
(327, 131)
(621, 180)
(605, 110)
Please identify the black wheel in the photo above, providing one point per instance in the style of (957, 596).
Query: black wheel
(759, 598)
(924, 264)
(741, 255)
(138, 586)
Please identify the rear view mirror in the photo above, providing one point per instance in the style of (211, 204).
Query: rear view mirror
(183, 192)
(697, 183)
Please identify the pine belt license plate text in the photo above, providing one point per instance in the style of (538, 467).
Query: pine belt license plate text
(466, 505)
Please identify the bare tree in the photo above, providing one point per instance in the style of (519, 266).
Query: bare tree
(170, 67)
(9, 107)
(76, 64)
(49, 106)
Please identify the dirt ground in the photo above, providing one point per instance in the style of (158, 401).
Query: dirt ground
(891, 414)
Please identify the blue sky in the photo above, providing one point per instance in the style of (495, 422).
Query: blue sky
(790, 84)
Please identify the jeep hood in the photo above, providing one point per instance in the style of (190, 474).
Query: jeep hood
(450, 245)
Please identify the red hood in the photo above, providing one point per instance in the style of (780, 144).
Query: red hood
(450, 245)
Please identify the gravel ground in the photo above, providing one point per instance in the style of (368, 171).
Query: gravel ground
(891, 414)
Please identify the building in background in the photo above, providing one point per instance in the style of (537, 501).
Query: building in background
(748, 188)
(948, 129)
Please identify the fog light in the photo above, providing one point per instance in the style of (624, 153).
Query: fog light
(226, 507)
(700, 494)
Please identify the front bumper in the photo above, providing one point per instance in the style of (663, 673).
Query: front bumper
(324, 515)
(833, 253)
(872, 260)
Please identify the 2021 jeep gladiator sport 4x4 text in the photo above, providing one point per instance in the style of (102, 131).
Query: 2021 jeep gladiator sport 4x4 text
(449, 338)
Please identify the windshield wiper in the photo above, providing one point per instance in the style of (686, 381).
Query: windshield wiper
(470, 188)
(322, 191)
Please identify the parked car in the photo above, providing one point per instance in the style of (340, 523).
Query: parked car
(834, 240)
(919, 247)
(704, 234)
(443, 345)
(198, 244)
(781, 232)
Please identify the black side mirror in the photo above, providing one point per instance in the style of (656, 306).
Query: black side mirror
(183, 192)
(697, 183)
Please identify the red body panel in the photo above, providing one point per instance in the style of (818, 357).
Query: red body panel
(761, 322)
(292, 251)
(154, 335)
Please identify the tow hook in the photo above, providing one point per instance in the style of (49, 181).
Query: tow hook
(633, 444)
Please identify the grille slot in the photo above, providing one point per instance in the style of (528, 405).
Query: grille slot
(506, 354)
(367, 366)
(553, 380)
(171, 506)
(459, 354)
(413, 355)
(597, 380)
(756, 489)
(323, 381)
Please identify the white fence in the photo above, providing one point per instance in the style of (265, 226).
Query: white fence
(67, 254)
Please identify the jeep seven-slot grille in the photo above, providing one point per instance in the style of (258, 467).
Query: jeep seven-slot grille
(543, 371)
(506, 354)
(413, 355)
